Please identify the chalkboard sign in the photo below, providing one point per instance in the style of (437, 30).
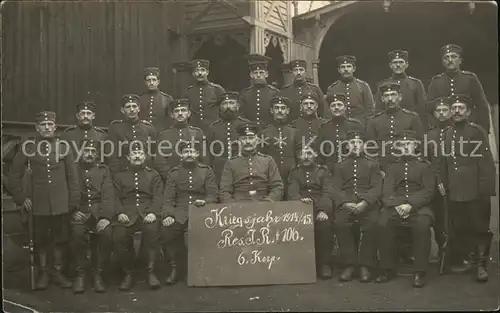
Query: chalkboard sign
(251, 243)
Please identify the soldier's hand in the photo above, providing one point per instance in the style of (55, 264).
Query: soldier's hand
(349, 206)
(103, 223)
(382, 173)
(322, 216)
(78, 216)
(27, 204)
(150, 218)
(360, 207)
(167, 221)
(200, 202)
(123, 218)
(442, 190)
(306, 200)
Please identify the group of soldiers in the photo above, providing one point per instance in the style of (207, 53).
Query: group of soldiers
(269, 145)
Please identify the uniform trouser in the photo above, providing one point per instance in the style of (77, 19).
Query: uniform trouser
(50, 230)
(387, 225)
(323, 235)
(99, 242)
(350, 254)
(123, 240)
(171, 238)
(439, 224)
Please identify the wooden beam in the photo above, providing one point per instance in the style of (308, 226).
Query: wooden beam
(271, 8)
(282, 19)
(198, 17)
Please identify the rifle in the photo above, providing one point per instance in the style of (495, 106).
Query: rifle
(31, 241)
(445, 234)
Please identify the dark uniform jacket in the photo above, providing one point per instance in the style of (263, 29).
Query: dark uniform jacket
(308, 130)
(256, 172)
(138, 192)
(466, 83)
(203, 101)
(185, 184)
(97, 193)
(295, 91)
(155, 108)
(409, 180)
(357, 178)
(255, 101)
(313, 182)
(465, 175)
(55, 188)
(359, 98)
(435, 146)
(77, 134)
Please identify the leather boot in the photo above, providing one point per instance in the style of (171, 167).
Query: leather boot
(364, 274)
(79, 282)
(482, 270)
(171, 255)
(127, 282)
(58, 277)
(153, 281)
(419, 280)
(325, 271)
(43, 277)
(98, 282)
(346, 274)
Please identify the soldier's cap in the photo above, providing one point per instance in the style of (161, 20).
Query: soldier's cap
(180, 102)
(280, 100)
(398, 54)
(91, 143)
(451, 48)
(461, 99)
(85, 105)
(356, 134)
(152, 71)
(389, 85)
(257, 61)
(45, 116)
(228, 95)
(310, 96)
(133, 146)
(335, 97)
(439, 101)
(407, 135)
(130, 98)
(346, 59)
(298, 63)
(247, 129)
(200, 63)
(184, 144)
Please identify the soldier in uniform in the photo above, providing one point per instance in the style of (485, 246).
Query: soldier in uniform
(93, 215)
(408, 190)
(299, 87)
(254, 100)
(412, 89)
(333, 133)
(311, 183)
(359, 99)
(357, 190)
(130, 129)
(55, 193)
(168, 140)
(389, 124)
(468, 175)
(455, 81)
(203, 96)
(190, 183)
(155, 104)
(138, 192)
(251, 176)
(224, 137)
(309, 123)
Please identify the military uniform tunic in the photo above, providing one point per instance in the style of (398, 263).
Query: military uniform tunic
(155, 108)
(78, 134)
(255, 101)
(359, 98)
(203, 98)
(295, 91)
(308, 130)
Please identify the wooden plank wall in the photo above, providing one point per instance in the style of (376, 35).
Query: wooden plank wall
(58, 53)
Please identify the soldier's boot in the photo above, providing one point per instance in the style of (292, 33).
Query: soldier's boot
(79, 282)
(58, 276)
(153, 281)
(43, 277)
(482, 262)
(97, 281)
(171, 255)
(127, 282)
(347, 274)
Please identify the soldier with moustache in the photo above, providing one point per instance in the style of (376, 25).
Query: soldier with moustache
(224, 138)
(93, 215)
(454, 81)
(412, 89)
(300, 87)
(468, 175)
(408, 190)
(250, 176)
(358, 95)
(254, 100)
(190, 183)
(55, 194)
(311, 183)
(155, 104)
(357, 190)
(332, 134)
(138, 192)
(130, 129)
(203, 96)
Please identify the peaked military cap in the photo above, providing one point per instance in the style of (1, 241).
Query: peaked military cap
(184, 144)
(398, 54)
(298, 63)
(91, 143)
(311, 95)
(346, 59)
(130, 98)
(389, 85)
(247, 129)
(334, 97)
(45, 116)
(356, 133)
(257, 61)
(228, 95)
(85, 105)
(439, 101)
(200, 63)
(451, 48)
(180, 102)
(151, 71)
(280, 100)
(134, 145)
(461, 99)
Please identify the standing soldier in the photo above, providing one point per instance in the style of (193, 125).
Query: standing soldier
(358, 95)
(138, 192)
(255, 99)
(251, 176)
(93, 215)
(408, 190)
(130, 129)
(357, 189)
(300, 87)
(312, 183)
(224, 136)
(455, 81)
(333, 133)
(412, 89)
(55, 193)
(468, 175)
(155, 104)
(191, 183)
(203, 96)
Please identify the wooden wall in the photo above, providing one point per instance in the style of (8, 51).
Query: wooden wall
(58, 53)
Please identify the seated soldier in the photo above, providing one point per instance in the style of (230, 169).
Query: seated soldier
(188, 183)
(311, 183)
(408, 190)
(357, 182)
